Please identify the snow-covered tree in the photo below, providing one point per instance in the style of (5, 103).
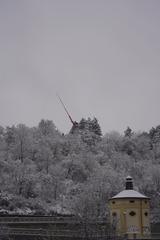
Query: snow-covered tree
(128, 132)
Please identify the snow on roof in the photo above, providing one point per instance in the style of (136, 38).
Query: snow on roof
(129, 194)
(128, 177)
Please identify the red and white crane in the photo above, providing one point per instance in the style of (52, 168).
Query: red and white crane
(74, 123)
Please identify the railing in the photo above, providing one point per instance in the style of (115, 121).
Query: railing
(66, 233)
(43, 232)
(4, 220)
(42, 219)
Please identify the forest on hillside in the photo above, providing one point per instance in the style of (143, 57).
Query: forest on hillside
(43, 171)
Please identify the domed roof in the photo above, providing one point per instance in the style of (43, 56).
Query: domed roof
(129, 192)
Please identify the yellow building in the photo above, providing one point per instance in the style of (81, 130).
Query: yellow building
(130, 213)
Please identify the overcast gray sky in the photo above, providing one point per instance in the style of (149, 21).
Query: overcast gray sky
(102, 56)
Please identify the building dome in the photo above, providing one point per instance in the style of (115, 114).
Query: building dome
(129, 192)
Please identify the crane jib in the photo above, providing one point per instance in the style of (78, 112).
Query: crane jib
(65, 109)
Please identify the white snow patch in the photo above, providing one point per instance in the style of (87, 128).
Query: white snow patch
(129, 194)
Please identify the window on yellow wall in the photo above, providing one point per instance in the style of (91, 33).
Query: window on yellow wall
(146, 214)
(114, 214)
(132, 213)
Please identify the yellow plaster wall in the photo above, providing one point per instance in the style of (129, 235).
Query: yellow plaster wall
(138, 224)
